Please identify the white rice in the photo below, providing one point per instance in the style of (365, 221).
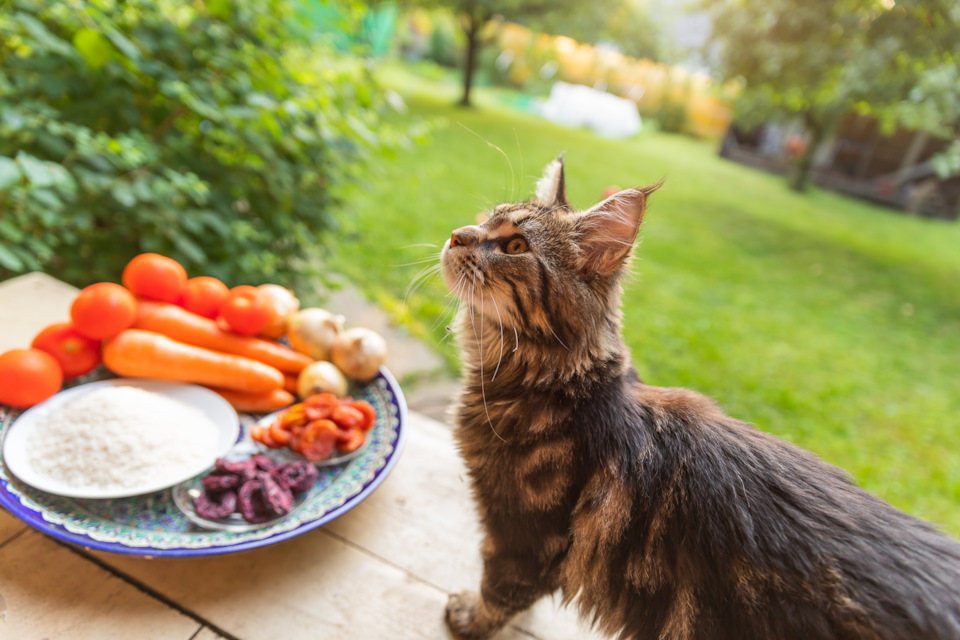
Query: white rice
(118, 438)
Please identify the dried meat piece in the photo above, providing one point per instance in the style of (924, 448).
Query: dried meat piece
(215, 507)
(262, 498)
(243, 468)
(279, 498)
(217, 483)
(251, 501)
(264, 463)
(296, 476)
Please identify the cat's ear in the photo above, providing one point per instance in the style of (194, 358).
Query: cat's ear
(552, 188)
(608, 230)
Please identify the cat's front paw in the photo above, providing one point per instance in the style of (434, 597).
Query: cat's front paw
(461, 615)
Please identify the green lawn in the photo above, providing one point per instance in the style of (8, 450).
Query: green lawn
(827, 321)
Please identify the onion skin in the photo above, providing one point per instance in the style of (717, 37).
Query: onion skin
(313, 331)
(321, 377)
(359, 353)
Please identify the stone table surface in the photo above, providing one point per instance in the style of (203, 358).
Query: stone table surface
(382, 570)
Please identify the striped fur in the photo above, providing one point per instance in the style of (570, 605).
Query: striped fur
(658, 515)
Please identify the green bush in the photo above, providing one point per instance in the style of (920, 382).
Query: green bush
(201, 130)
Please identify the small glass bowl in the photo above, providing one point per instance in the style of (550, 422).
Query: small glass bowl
(184, 495)
(285, 454)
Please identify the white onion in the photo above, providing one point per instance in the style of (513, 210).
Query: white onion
(313, 331)
(359, 353)
(321, 377)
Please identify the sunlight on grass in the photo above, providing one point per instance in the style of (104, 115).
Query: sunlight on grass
(827, 321)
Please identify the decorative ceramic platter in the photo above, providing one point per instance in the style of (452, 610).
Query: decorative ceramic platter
(153, 525)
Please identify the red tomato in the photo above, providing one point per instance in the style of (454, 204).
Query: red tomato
(247, 310)
(103, 310)
(155, 277)
(76, 353)
(203, 295)
(28, 376)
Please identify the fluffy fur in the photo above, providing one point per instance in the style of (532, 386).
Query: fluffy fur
(659, 515)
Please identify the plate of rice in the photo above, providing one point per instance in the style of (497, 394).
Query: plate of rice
(119, 438)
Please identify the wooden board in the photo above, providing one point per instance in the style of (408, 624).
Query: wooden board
(47, 591)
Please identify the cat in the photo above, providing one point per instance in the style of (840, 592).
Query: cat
(659, 515)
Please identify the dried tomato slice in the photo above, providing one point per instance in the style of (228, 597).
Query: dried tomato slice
(294, 415)
(348, 417)
(320, 406)
(280, 435)
(351, 440)
(318, 439)
(369, 414)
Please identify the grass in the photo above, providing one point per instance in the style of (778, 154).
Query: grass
(828, 321)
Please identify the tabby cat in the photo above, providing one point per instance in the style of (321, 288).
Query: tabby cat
(659, 515)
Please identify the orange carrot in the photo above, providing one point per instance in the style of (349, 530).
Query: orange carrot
(290, 383)
(178, 323)
(145, 354)
(257, 402)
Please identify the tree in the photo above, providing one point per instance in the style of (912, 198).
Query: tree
(819, 60)
(476, 15)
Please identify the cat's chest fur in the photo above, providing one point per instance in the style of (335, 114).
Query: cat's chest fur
(531, 448)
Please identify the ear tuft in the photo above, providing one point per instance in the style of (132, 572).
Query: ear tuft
(608, 230)
(551, 187)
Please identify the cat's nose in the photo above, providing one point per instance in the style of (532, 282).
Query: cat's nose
(464, 236)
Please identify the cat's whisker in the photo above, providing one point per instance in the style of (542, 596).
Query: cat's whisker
(559, 340)
(505, 157)
(420, 279)
(483, 391)
(500, 320)
(415, 262)
(421, 244)
(516, 137)
(516, 337)
(453, 302)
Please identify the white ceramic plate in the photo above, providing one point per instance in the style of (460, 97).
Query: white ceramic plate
(15, 444)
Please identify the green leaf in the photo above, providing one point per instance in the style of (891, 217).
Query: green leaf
(8, 231)
(9, 173)
(36, 170)
(189, 248)
(95, 49)
(51, 203)
(10, 260)
(42, 35)
(123, 43)
(123, 194)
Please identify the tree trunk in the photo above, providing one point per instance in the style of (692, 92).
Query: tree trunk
(801, 174)
(472, 31)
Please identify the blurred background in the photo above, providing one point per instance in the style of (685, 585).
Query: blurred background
(801, 263)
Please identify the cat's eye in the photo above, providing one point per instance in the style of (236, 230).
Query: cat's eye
(515, 246)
